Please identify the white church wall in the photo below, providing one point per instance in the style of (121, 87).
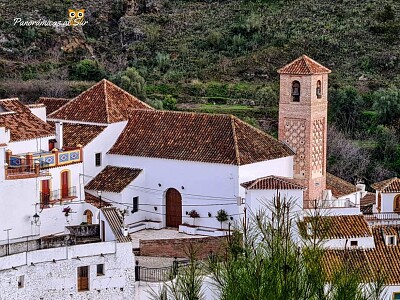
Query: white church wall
(279, 167)
(204, 187)
(101, 144)
(48, 280)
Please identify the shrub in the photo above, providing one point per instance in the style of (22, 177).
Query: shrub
(87, 69)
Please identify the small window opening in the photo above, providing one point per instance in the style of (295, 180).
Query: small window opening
(353, 243)
(135, 204)
(21, 281)
(296, 91)
(100, 269)
(98, 159)
(319, 89)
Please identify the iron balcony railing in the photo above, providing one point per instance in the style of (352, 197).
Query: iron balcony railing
(326, 204)
(53, 197)
(161, 274)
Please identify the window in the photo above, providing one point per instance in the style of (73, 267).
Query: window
(319, 89)
(97, 159)
(296, 91)
(396, 204)
(353, 243)
(390, 240)
(21, 281)
(135, 204)
(396, 296)
(100, 269)
(83, 278)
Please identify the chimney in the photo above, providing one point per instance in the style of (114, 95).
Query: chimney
(59, 135)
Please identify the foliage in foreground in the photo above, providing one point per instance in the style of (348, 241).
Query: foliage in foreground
(268, 258)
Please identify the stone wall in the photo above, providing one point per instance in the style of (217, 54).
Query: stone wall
(57, 279)
(179, 247)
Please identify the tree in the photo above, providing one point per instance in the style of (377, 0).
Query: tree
(387, 105)
(131, 81)
(267, 97)
(345, 108)
(87, 69)
(169, 103)
(222, 216)
(268, 262)
(345, 158)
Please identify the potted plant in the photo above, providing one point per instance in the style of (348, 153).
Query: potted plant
(67, 210)
(194, 214)
(222, 216)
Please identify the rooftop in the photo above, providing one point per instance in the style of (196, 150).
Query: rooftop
(21, 122)
(200, 137)
(79, 134)
(52, 104)
(391, 185)
(272, 183)
(103, 103)
(337, 227)
(338, 186)
(382, 259)
(113, 179)
(304, 66)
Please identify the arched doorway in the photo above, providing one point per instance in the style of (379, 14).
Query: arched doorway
(173, 208)
(89, 216)
(396, 204)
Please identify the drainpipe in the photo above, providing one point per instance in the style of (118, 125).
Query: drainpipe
(59, 135)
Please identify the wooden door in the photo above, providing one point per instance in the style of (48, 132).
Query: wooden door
(174, 208)
(89, 217)
(45, 196)
(83, 278)
(64, 184)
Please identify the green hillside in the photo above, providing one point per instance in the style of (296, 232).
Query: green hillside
(221, 56)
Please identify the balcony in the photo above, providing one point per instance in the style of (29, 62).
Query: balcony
(36, 164)
(57, 197)
(329, 204)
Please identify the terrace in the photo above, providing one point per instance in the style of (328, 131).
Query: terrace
(30, 165)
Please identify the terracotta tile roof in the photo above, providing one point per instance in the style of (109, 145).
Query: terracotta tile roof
(83, 134)
(337, 227)
(391, 185)
(196, 137)
(367, 200)
(95, 201)
(272, 183)
(102, 103)
(114, 219)
(52, 104)
(113, 179)
(303, 66)
(383, 259)
(22, 123)
(338, 186)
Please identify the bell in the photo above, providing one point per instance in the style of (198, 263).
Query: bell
(296, 91)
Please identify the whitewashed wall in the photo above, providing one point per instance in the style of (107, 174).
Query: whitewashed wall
(101, 144)
(34, 145)
(261, 199)
(363, 242)
(206, 187)
(39, 111)
(387, 202)
(49, 280)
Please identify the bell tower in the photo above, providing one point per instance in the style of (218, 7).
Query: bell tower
(303, 105)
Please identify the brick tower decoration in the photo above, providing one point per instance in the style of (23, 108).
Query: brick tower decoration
(303, 104)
